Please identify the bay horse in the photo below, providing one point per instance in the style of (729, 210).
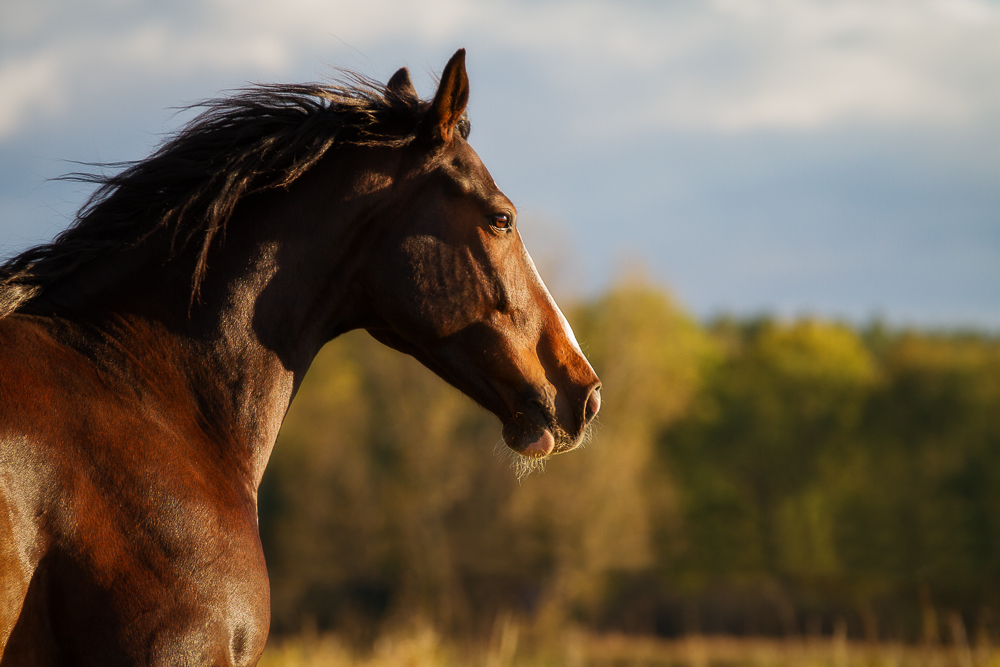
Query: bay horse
(149, 353)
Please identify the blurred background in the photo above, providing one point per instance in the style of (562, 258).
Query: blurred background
(776, 229)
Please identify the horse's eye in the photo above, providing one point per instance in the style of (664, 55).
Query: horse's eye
(500, 222)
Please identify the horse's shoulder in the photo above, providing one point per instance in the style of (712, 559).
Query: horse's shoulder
(36, 343)
(41, 375)
(84, 454)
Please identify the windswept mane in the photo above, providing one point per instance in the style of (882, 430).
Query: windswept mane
(260, 138)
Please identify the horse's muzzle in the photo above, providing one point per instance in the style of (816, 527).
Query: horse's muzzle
(536, 431)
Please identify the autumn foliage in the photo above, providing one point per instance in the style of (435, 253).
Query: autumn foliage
(747, 477)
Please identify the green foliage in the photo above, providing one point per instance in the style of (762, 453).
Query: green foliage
(848, 475)
(746, 470)
(775, 417)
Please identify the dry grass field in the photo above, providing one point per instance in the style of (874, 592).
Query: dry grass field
(424, 648)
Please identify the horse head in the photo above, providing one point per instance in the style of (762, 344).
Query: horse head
(456, 288)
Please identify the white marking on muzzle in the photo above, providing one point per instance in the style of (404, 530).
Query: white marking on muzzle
(567, 329)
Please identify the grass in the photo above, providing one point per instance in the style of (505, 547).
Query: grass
(422, 647)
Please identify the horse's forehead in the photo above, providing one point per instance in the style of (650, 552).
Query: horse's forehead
(463, 165)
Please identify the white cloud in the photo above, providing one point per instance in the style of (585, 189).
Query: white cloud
(726, 65)
(29, 86)
(80, 80)
(804, 65)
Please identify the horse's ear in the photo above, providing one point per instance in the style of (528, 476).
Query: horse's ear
(450, 100)
(401, 85)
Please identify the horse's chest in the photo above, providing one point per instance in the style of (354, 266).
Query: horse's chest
(144, 549)
(171, 590)
(197, 587)
(170, 579)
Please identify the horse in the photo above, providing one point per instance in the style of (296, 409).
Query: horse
(148, 354)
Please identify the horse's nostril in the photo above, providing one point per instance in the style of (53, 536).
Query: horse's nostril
(593, 404)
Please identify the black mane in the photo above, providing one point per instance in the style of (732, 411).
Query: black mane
(260, 138)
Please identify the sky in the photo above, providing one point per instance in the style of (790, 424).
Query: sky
(830, 158)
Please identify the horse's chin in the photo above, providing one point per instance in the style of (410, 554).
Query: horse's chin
(539, 443)
(533, 445)
(528, 449)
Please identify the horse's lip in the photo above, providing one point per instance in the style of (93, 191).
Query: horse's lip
(539, 447)
(563, 447)
(533, 442)
(532, 431)
(529, 426)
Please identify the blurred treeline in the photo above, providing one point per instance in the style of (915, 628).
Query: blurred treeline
(748, 477)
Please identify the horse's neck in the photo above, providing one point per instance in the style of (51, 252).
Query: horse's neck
(137, 324)
(233, 358)
(256, 331)
(276, 289)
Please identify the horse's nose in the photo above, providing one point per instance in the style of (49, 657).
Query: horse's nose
(593, 404)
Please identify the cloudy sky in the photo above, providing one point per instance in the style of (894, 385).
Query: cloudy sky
(838, 158)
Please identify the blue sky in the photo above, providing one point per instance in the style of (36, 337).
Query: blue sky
(837, 158)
